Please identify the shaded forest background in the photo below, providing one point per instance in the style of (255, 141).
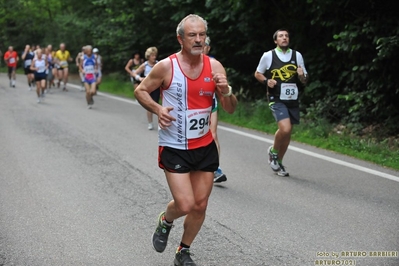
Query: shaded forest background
(350, 47)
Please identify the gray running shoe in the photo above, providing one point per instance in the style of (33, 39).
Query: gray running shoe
(218, 176)
(183, 258)
(273, 157)
(161, 234)
(282, 171)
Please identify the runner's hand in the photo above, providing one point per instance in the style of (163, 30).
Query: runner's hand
(299, 70)
(221, 82)
(164, 118)
(271, 83)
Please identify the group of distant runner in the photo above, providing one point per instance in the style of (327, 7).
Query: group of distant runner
(44, 67)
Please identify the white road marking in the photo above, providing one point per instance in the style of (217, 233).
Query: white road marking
(248, 135)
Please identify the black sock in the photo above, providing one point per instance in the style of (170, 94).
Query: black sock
(182, 245)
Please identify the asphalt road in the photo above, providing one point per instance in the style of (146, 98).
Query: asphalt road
(82, 187)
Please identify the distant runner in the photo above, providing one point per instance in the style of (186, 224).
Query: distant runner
(27, 56)
(11, 58)
(132, 65)
(145, 68)
(50, 62)
(78, 60)
(40, 67)
(99, 73)
(63, 57)
(218, 175)
(88, 67)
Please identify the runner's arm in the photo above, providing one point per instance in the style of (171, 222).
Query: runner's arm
(32, 66)
(56, 59)
(100, 64)
(77, 59)
(138, 72)
(128, 66)
(81, 67)
(301, 70)
(229, 103)
(264, 64)
(152, 82)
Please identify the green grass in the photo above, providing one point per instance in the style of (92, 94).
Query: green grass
(258, 116)
(4, 69)
(117, 85)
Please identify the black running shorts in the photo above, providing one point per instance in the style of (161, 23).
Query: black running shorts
(184, 161)
(40, 76)
(155, 95)
(10, 70)
(28, 70)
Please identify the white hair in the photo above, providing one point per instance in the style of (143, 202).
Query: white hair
(180, 27)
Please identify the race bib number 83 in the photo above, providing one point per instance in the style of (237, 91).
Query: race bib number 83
(289, 91)
(198, 122)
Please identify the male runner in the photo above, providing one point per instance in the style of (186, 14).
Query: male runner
(40, 66)
(99, 74)
(63, 57)
(78, 61)
(88, 66)
(11, 58)
(187, 151)
(50, 61)
(28, 56)
(283, 71)
(218, 175)
(55, 65)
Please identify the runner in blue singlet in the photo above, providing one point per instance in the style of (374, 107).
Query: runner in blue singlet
(88, 67)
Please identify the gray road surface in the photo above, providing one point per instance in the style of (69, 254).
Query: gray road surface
(82, 187)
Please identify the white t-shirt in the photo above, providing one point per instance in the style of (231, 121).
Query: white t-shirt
(267, 57)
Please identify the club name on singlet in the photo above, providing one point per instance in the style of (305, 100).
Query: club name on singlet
(192, 103)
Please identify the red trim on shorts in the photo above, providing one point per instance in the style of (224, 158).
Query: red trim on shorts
(160, 149)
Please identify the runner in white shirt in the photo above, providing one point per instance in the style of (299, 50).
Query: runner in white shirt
(283, 71)
(145, 68)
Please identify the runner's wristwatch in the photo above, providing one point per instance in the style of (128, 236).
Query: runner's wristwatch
(229, 93)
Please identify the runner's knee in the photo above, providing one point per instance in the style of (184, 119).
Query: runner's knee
(185, 206)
